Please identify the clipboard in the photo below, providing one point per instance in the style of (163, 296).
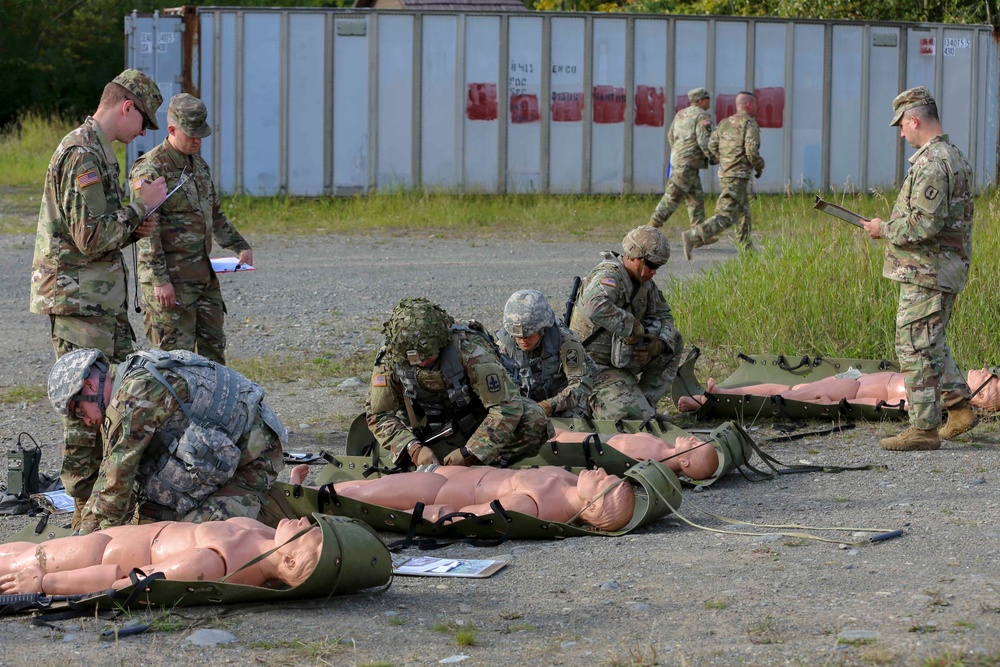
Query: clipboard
(423, 566)
(229, 265)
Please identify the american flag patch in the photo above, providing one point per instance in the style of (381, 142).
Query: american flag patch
(378, 380)
(88, 178)
(610, 282)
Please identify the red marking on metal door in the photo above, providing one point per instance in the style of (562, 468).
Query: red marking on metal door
(725, 106)
(649, 102)
(567, 107)
(609, 104)
(770, 107)
(481, 101)
(682, 103)
(524, 109)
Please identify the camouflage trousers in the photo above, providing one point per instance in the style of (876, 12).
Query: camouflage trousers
(684, 184)
(931, 374)
(493, 443)
(622, 394)
(195, 323)
(247, 494)
(733, 207)
(82, 451)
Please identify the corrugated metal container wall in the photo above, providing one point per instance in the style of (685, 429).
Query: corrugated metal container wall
(311, 102)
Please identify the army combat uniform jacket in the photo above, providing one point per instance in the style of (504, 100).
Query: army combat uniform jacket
(77, 267)
(506, 424)
(178, 250)
(610, 302)
(736, 143)
(688, 136)
(557, 370)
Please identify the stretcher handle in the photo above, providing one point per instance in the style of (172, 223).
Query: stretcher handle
(783, 365)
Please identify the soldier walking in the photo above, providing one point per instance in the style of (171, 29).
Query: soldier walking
(927, 251)
(736, 145)
(688, 138)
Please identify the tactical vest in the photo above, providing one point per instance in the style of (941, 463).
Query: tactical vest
(540, 376)
(195, 453)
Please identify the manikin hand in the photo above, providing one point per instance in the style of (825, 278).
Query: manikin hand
(27, 580)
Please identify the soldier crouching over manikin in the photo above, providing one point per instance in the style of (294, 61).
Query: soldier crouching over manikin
(553, 368)
(185, 437)
(627, 328)
(442, 383)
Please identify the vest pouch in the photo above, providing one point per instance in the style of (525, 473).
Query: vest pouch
(200, 462)
(621, 352)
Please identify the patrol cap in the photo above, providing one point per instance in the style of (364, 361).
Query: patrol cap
(526, 313)
(67, 376)
(190, 114)
(145, 90)
(909, 99)
(697, 95)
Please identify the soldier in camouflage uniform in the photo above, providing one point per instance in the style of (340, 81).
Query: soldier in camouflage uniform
(553, 368)
(736, 145)
(433, 376)
(626, 326)
(181, 295)
(78, 273)
(927, 251)
(688, 138)
(186, 438)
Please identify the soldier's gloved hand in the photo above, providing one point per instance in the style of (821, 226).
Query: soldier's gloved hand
(758, 172)
(422, 456)
(648, 351)
(637, 332)
(713, 159)
(546, 408)
(459, 458)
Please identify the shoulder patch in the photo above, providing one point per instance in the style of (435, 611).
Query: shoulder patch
(610, 282)
(493, 383)
(378, 380)
(88, 178)
(931, 193)
(572, 358)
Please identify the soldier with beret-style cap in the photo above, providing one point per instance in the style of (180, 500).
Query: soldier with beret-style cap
(927, 251)
(181, 295)
(688, 138)
(78, 276)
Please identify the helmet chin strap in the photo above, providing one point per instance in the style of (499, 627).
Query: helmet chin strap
(99, 398)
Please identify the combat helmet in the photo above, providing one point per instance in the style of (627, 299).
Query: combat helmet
(67, 376)
(648, 243)
(416, 330)
(526, 313)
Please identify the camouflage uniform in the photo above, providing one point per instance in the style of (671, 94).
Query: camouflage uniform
(608, 305)
(495, 424)
(78, 273)
(688, 138)
(178, 250)
(736, 144)
(928, 250)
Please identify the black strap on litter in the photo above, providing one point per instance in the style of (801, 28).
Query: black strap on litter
(620, 425)
(779, 468)
(75, 609)
(430, 543)
(783, 365)
(747, 358)
(882, 404)
(884, 364)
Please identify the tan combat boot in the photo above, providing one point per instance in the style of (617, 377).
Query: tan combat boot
(961, 418)
(913, 439)
(691, 241)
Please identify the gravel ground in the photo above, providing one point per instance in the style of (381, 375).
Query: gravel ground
(667, 594)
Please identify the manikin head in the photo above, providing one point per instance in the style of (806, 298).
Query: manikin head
(611, 511)
(988, 397)
(297, 559)
(697, 459)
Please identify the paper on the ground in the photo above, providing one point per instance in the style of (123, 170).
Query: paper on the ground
(228, 265)
(58, 501)
(446, 567)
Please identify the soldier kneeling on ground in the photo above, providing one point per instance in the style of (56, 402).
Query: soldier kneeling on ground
(553, 368)
(443, 385)
(185, 437)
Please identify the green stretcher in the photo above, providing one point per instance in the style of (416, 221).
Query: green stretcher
(658, 493)
(779, 369)
(352, 559)
(734, 446)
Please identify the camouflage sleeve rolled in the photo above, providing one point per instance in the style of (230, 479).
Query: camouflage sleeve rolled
(223, 231)
(151, 256)
(918, 214)
(490, 382)
(703, 133)
(95, 230)
(751, 146)
(139, 407)
(576, 367)
(385, 413)
(605, 289)
(713, 143)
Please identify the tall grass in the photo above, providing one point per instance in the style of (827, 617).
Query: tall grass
(26, 146)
